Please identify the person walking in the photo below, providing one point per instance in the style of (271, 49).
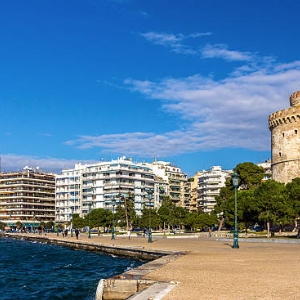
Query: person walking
(76, 233)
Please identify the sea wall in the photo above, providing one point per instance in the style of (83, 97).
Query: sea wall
(135, 253)
(119, 287)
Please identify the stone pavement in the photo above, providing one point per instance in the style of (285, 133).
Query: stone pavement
(212, 269)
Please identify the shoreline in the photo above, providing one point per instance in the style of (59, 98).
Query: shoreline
(202, 267)
(121, 286)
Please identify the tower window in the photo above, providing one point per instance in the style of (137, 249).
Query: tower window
(280, 154)
(283, 134)
(296, 131)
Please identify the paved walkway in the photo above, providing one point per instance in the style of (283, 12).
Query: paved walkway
(212, 269)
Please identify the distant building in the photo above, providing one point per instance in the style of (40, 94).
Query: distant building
(178, 185)
(90, 186)
(266, 165)
(209, 185)
(285, 135)
(27, 197)
(194, 181)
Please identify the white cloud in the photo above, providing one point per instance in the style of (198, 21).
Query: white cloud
(14, 162)
(173, 41)
(229, 113)
(221, 51)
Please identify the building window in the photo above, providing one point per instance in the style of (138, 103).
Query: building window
(296, 131)
(280, 154)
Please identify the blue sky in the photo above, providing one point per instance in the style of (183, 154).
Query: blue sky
(190, 82)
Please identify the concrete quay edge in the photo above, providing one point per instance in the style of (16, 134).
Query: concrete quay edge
(128, 285)
(256, 268)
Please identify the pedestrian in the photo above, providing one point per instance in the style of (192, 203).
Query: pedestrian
(128, 233)
(76, 233)
(66, 232)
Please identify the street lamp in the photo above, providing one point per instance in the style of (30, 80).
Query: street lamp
(235, 183)
(89, 235)
(57, 233)
(113, 220)
(71, 225)
(34, 223)
(149, 229)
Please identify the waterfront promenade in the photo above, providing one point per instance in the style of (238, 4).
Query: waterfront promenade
(211, 269)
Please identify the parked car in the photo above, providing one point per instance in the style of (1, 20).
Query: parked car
(256, 228)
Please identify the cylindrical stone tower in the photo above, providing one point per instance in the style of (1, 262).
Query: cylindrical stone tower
(285, 141)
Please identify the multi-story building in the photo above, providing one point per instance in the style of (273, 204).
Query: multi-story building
(97, 185)
(27, 197)
(209, 185)
(178, 185)
(194, 193)
(266, 165)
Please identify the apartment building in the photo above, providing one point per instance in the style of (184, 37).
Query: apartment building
(27, 197)
(90, 186)
(193, 192)
(266, 165)
(178, 186)
(209, 185)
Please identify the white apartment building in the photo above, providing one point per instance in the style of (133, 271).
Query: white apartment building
(266, 165)
(209, 185)
(90, 186)
(178, 188)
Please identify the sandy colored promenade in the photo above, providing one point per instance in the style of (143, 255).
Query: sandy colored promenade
(212, 269)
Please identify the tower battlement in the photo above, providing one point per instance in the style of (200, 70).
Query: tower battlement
(295, 99)
(285, 132)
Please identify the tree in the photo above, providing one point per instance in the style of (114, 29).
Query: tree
(2, 226)
(247, 208)
(149, 214)
(250, 175)
(19, 224)
(78, 222)
(293, 193)
(190, 221)
(49, 225)
(98, 217)
(166, 213)
(271, 199)
(126, 212)
(179, 216)
(224, 204)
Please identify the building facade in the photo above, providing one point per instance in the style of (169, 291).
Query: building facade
(209, 185)
(97, 185)
(178, 186)
(285, 141)
(194, 192)
(27, 198)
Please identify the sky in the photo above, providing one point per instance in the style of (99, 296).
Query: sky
(189, 82)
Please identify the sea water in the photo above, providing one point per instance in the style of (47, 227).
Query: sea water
(33, 270)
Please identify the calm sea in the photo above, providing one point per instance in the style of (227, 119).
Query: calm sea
(31, 270)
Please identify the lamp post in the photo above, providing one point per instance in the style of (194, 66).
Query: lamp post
(113, 220)
(34, 223)
(57, 233)
(149, 229)
(89, 235)
(71, 222)
(235, 183)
